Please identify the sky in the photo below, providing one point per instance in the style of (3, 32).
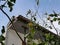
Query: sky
(22, 6)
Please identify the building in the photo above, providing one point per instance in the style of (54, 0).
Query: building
(20, 24)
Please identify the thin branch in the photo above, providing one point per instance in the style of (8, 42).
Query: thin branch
(12, 24)
(39, 15)
(54, 28)
(5, 3)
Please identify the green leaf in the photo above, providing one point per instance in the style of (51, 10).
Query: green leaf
(2, 38)
(10, 5)
(51, 15)
(32, 31)
(11, 9)
(51, 21)
(37, 2)
(54, 19)
(2, 43)
(34, 43)
(55, 15)
(3, 29)
(13, 1)
(34, 18)
(50, 27)
(58, 18)
(30, 36)
(28, 12)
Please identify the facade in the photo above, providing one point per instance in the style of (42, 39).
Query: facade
(19, 22)
(11, 36)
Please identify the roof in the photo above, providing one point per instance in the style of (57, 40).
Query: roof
(17, 22)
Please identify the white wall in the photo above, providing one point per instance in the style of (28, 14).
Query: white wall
(12, 38)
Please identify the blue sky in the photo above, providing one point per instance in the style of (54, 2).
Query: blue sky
(21, 7)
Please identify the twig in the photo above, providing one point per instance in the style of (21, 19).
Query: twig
(54, 28)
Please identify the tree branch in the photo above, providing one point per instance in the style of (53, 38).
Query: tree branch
(11, 23)
(54, 28)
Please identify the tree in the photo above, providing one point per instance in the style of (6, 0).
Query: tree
(10, 4)
(55, 17)
(49, 38)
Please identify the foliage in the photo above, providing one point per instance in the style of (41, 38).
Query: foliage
(3, 30)
(50, 39)
(55, 17)
(31, 34)
(2, 38)
(10, 4)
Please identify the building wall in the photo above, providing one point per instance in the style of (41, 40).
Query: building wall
(12, 38)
